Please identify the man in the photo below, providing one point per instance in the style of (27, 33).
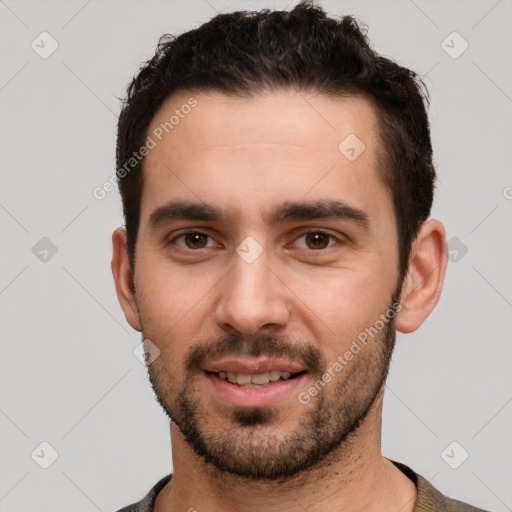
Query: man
(277, 179)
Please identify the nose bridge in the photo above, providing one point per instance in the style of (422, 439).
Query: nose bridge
(251, 296)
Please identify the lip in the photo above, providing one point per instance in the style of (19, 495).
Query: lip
(252, 366)
(265, 396)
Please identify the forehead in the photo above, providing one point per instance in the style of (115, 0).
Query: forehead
(239, 150)
(278, 117)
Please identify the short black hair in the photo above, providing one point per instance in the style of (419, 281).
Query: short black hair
(244, 53)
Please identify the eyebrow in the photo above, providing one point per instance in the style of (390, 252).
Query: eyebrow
(288, 211)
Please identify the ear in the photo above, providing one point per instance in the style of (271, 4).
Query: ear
(123, 278)
(425, 276)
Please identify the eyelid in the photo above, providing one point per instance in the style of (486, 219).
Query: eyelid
(188, 231)
(320, 231)
(299, 234)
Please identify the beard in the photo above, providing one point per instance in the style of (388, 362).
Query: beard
(252, 445)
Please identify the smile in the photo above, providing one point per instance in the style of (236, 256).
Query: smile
(255, 381)
(247, 390)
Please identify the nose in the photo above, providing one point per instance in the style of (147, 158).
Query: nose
(252, 298)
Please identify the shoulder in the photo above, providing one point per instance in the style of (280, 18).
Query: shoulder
(459, 506)
(430, 499)
(147, 503)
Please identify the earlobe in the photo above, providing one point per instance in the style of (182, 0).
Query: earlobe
(425, 276)
(123, 278)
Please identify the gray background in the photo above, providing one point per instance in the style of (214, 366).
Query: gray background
(68, 373)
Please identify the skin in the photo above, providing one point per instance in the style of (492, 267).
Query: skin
(246, 156)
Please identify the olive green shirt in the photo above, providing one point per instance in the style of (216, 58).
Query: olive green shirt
(429, 499)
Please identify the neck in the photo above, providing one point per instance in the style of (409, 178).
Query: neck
(353, 477)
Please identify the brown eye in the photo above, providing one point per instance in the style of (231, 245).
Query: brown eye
(316, 240)
(193, 240)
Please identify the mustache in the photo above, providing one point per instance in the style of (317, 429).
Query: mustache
(235, 345)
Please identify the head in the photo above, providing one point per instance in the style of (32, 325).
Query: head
(276, 212)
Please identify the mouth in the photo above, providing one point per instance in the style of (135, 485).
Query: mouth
(254, 384)
(258, 380)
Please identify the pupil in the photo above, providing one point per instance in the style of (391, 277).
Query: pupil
(196, 239)
(316, 237)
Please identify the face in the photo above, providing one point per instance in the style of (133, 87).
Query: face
(265, 253)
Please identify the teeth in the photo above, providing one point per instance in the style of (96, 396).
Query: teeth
(262, 378)
(274, 376)
(243, 379)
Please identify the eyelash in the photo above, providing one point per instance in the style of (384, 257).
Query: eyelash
(304, 233)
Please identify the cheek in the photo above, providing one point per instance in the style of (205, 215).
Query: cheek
(167, 310)
(342, 306)
(167, 295)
